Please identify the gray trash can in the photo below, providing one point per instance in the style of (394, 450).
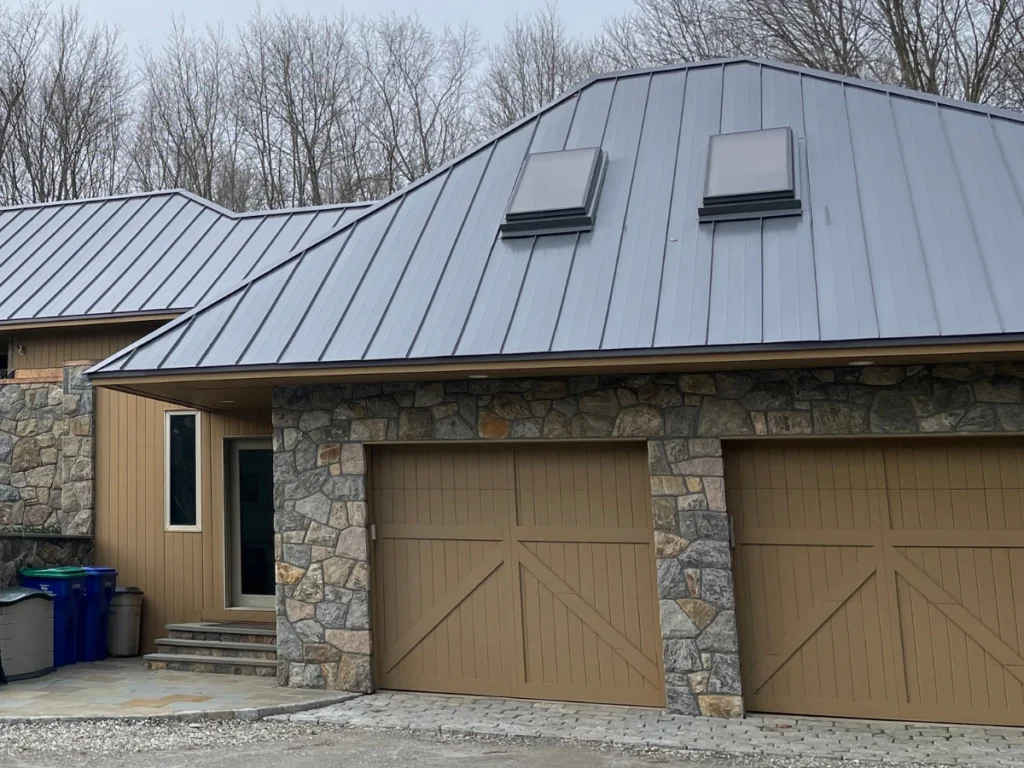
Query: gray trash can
(26, 633)
(125, 622)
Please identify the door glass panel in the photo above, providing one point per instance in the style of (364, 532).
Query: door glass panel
(256, 520)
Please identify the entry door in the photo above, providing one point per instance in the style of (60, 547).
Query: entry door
(522, 571)
(252, 523)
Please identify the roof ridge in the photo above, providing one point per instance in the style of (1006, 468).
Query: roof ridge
(819, 74)
(182, 192)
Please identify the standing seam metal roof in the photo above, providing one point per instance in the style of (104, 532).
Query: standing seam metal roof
(911, 229)
(140, 254)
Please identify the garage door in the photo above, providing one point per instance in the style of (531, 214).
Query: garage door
(881, 580)
(516, 571)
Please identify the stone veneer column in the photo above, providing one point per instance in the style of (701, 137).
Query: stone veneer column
(320, 484)
(78, 450)
(322, 573)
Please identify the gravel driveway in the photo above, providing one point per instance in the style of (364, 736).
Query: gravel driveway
(287, 745)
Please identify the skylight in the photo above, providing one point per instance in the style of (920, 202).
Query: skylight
(751, 174)
(556, 192)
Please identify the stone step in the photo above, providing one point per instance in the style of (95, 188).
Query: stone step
(215, 648)
(223, 665)
(214, 631)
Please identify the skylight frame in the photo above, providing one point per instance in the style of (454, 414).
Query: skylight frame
(556, 220)
(779, 201)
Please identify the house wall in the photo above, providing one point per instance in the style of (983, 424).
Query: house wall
(53, 348)
(684, 419)
(46, 469)
(182, 574)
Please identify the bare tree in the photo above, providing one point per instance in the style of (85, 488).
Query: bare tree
(183, 132)
(660, 32)
(536, 62)
(834, 35)
(420, 94)
(22, 33)
(71, 134)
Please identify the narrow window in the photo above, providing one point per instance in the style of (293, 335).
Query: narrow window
(181, 472)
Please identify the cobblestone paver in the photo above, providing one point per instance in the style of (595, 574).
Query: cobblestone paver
(806, 738)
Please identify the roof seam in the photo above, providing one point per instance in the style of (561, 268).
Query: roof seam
(195, 274)
(293, 246)
(369, 263)
(455, 244)
(860, 213)
(273, 305)
(316, 295)
(171, 350)
(970, 218)
(625, 210)
(142, 252)
(236, 254)
(96, 253)
(810, 219)
(490, 252)
(519, 295)
(31, 273)
(913, 209)
(105, 267)
(220, 331)
(408, 261)
(575, 249)
(47, 239)
(180, 261)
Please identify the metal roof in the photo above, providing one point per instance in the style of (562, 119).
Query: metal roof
(140, 254)
(912, 229)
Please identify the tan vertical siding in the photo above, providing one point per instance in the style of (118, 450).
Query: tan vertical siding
(52, 349)
(182, 574)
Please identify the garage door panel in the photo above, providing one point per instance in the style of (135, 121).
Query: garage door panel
(517, 571)
(851, 632)
(935, 631)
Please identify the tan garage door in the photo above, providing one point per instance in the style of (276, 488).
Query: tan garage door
(516, 571)
(881, 580)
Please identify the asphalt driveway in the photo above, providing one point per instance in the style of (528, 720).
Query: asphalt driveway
(344, 749)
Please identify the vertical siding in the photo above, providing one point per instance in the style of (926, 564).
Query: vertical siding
(182, 574)
(61, 345)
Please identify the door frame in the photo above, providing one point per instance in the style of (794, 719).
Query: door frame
(233, 597)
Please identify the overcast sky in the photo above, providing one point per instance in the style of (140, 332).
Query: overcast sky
(149, 19)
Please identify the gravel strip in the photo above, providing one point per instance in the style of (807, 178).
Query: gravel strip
(106, 737)
(101, 737)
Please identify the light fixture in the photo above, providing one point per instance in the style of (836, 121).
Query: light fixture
(226, 402)
(861, 363)
(478, 376)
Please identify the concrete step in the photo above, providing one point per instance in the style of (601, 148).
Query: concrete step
(215, 648)
(224, 665)
(215, 631)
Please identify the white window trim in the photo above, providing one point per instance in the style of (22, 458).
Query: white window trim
(198, 527)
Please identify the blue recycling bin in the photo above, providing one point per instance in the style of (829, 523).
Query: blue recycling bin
(67, 585)
(100, 585)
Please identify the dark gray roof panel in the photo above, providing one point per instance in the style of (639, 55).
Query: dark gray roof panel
(456, 289)
(139, 253)
(634, 300)
(789, 294)
(913, 212)
(403, 310)
(328, 300)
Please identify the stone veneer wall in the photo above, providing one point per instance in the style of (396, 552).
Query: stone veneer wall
(320, 484)
(20, 550)
(46, 471)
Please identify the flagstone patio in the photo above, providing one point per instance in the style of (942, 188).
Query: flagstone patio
(125, 688)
